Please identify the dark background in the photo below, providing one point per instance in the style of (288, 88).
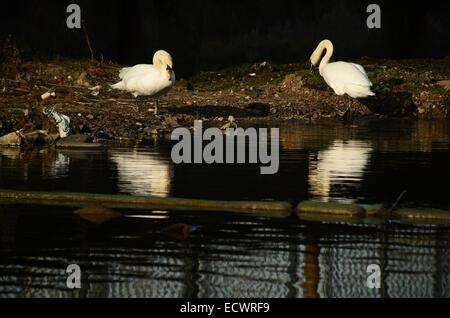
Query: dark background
(203, 34)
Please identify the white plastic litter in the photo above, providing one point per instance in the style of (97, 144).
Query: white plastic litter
(62, 121)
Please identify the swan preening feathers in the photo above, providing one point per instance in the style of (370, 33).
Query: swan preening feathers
(342, 77)
(148, 79)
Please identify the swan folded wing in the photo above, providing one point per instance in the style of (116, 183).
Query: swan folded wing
(149, 84)
(137, 70)
(361, 69)
(347, 78)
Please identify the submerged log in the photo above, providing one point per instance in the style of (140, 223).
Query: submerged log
(97, 214)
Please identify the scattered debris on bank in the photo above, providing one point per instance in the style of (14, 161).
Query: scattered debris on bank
(79, 89)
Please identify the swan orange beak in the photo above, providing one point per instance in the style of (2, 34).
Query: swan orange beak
(169, 72)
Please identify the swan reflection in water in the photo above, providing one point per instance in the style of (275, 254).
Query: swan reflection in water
(341, 165)
(143, 173)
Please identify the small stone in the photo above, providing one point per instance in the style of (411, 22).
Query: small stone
(171, 121)
(11, 139)
(90, 116)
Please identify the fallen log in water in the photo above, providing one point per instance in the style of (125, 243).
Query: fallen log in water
(418, 216)
(272, 208)
(305, 210)
(330, 208)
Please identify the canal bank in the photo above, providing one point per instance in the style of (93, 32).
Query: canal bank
(258, 92)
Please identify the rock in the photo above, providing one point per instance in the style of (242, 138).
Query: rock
(292, 82)
(102, 135)
(97, 214)
(11, 139)
(171, 121)
(90, 116)
(82, 81)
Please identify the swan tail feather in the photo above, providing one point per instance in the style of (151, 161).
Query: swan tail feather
(120, 85)
(123, 72)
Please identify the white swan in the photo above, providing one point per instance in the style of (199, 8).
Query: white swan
(342, 77)
(148, 79)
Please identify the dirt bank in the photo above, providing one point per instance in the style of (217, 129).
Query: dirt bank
(260, 91)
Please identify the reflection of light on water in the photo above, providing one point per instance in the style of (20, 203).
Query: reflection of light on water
(158, 217)
(57, 168)
(342, 164)
(143, 173)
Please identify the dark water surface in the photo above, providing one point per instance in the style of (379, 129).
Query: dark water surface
(228, 255)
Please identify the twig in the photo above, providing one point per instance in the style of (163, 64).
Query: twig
(87, 40)
(397, 201)
(67, 86)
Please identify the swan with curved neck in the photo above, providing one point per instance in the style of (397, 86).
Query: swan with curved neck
(148, 79)
(342, 77)
(315, 57)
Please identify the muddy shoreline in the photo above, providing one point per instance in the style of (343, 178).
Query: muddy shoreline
(260, 92)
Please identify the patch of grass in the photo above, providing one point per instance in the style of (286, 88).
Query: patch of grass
(312, 79)
(262, 73)
(440, 90)
(386, 85)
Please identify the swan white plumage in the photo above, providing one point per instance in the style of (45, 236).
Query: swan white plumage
(342, 77)
(148, 79)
